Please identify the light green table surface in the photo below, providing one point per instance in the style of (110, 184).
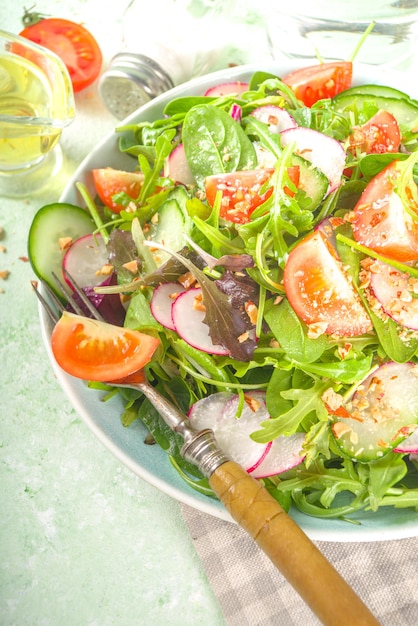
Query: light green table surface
(83, 541)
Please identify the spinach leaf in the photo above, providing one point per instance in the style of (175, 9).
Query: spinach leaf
(215, 143)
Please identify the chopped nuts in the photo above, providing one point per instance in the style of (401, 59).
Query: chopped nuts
(198, 304)
(252, 402)
(106, 270)
(131, 266)
(187, 280)
(65, 242)
(252, 311)
(339, 429)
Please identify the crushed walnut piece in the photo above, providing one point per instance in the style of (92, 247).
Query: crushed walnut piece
(316, 329)
(339, 429)
(252, 402)
(106, 270)
(187, 280)
(198, 303)
(332, 399)
(131, 266)
(65, 242)
(252, 311)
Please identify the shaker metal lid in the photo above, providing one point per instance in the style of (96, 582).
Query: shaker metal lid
(130, 81)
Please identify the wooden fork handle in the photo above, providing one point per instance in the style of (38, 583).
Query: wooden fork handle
(327, 594)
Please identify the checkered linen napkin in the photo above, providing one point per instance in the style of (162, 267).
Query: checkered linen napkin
(251, 592)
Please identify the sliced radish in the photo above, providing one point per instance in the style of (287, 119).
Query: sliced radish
(322, 151)
(278, 119)
(409, 445)
(188, 319)
(227, 89)
(162, 303)
(397, 293)
(219, 413)
(382, 412)
(178, 168)
(85, 259)
(285, 453)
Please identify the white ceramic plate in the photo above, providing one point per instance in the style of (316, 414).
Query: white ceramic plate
(150, 462)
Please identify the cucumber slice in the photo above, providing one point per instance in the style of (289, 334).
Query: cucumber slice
(312, 181)
(51, 223)
(381, 414)
(405, 111)
(173, 223)
(375, 90)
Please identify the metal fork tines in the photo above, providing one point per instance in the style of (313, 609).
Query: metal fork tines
(175, 419)
(70, 298)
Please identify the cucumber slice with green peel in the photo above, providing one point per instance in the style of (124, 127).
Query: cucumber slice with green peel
(375, 90)
(312, 181)
(173, 223)
(405, 111)
(52, 224)
(381, 414)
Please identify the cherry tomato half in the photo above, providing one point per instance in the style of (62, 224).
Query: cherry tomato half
(73, 44)
(109, 182)
(317, 82)
(380, 220)
(99, 351)
(378, 135)
(319, 290)
(241, 191)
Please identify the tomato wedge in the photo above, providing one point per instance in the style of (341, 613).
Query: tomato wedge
(380, 220)
(109, 182)
(317, 82)
(320, 292)
(75, 45)
(379, 135)
(92, 350)
(241, 191)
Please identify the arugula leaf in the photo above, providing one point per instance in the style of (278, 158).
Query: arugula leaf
(305, 401)
(384, 474)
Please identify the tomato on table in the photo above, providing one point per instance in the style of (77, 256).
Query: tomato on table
(98, 351)
(378, 135)
(109, 182)
(241, 191)
(380, 220)
(317, 82)
(320, 292)
(75, 45)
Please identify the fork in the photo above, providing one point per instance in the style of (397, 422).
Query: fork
(246, 499)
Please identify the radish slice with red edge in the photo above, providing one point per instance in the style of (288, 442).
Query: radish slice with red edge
(397, 293)
(162, 303)
(178, 168)
(226, 89)
(85, 259)
(277, 119)
(409, 445)
(188, 321)
(285, 453)
(325, 153)
(219, 413)
(381, 414)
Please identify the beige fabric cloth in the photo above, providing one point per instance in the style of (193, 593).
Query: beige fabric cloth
(252, 592)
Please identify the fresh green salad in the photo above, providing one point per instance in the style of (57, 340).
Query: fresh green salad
(267, 235)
